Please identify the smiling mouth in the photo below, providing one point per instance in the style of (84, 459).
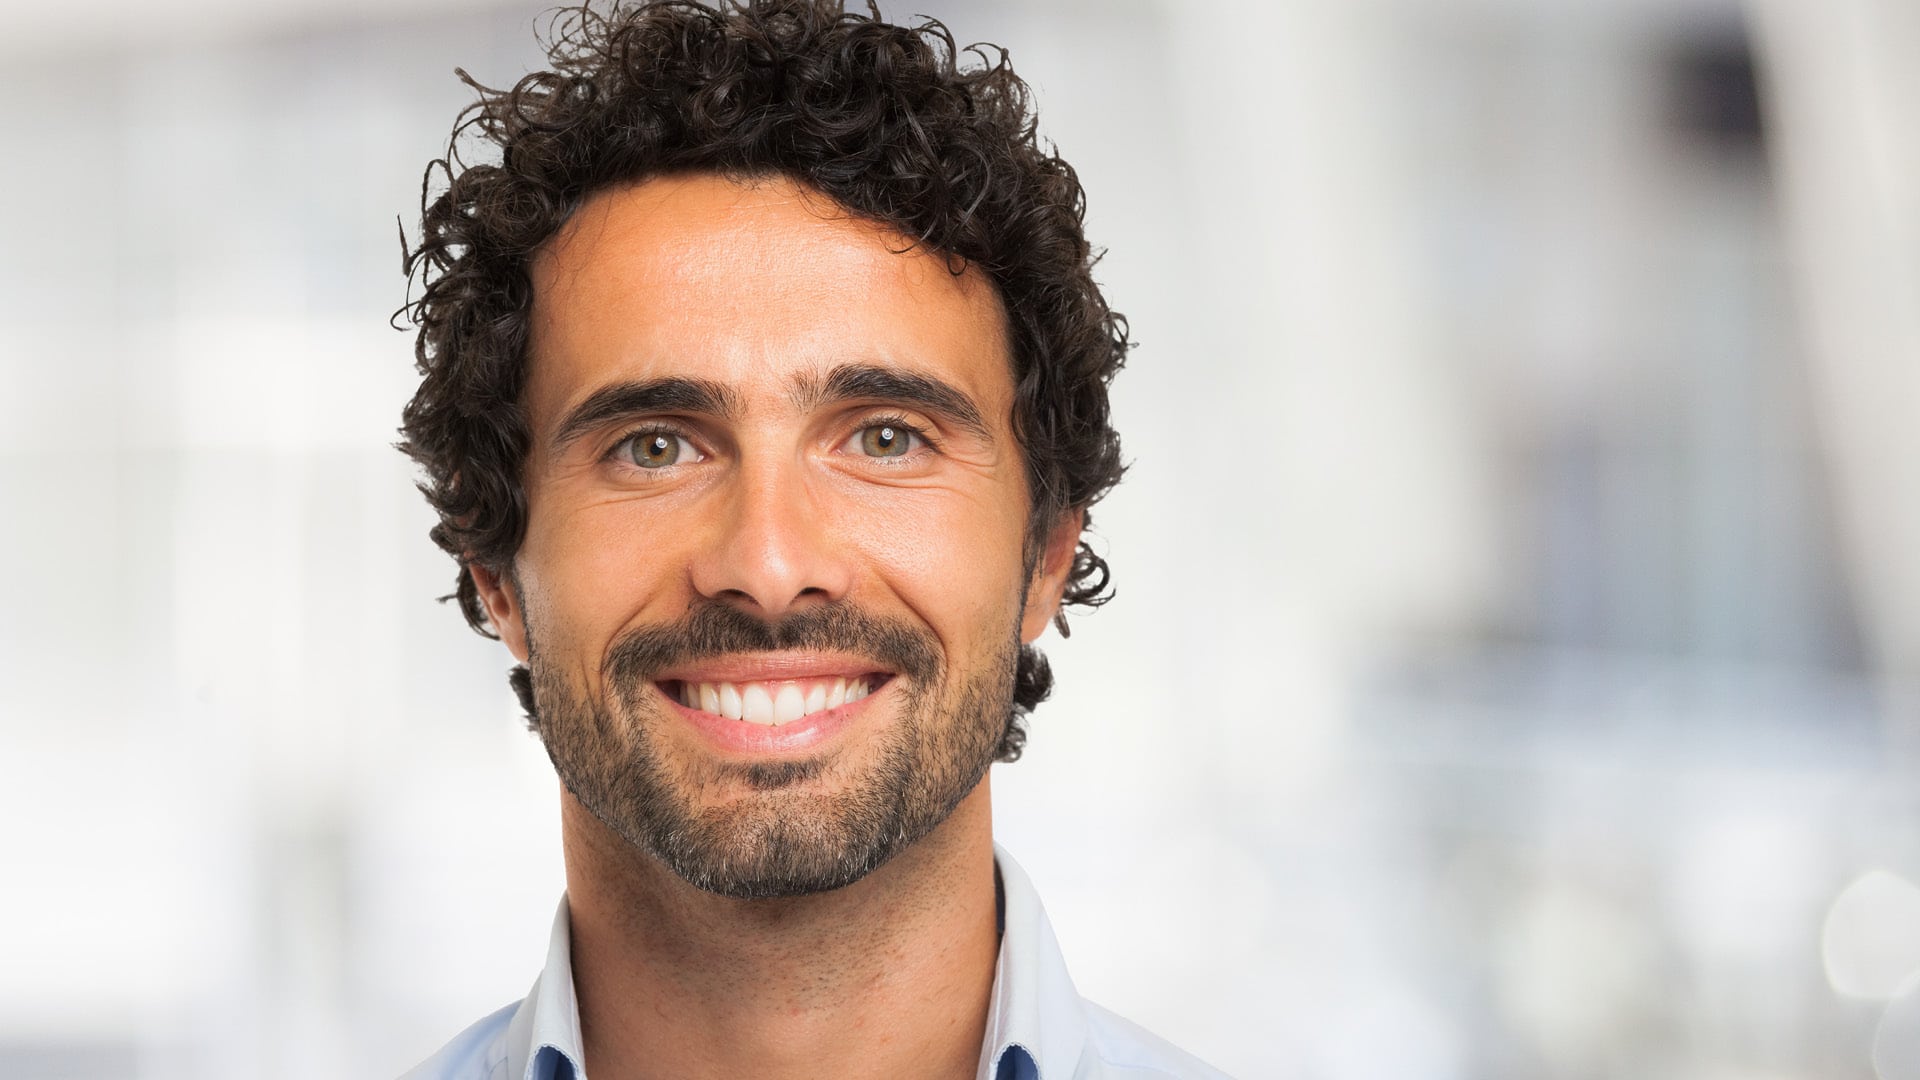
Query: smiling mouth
(773, 703)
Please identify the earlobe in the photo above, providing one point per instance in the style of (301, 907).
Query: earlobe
(502, 601)
(1050, 576)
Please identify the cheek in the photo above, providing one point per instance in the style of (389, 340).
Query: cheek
(589, 571)
(954, 560)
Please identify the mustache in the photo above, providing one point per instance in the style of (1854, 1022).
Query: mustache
(715, 629)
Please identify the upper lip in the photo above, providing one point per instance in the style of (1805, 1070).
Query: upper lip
(772, 667)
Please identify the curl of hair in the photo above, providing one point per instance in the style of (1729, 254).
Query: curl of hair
(895, 124)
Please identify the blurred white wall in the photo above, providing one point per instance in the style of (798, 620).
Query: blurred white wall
(1845, 84)
(1507, 676)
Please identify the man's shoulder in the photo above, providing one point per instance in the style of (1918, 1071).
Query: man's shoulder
(478, 1053)
(1120, 1049)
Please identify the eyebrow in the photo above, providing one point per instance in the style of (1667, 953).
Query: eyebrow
(848, 382)
(672, 394)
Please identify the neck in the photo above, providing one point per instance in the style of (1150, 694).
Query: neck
(887, 977)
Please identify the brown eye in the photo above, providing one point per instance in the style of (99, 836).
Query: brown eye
(655, 450)
(886, 440)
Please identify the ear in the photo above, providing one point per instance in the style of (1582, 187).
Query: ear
(502, 601)
(1050, 575)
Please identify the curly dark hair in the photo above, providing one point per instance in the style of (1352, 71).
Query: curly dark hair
(883, 119)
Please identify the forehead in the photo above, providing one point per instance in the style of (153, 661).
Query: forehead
(754, 284)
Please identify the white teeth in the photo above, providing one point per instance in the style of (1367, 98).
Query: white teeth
(789, 705)
(757, 704)
(772, 703)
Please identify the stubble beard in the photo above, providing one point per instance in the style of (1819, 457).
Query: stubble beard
(789, 828)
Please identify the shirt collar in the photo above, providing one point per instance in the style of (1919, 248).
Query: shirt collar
(1034, 1018)
(543, 1039)
(1035, 1010)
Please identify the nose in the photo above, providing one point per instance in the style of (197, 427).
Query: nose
(770, 551)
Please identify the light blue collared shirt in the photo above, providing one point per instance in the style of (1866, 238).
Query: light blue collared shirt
(1038, 1025)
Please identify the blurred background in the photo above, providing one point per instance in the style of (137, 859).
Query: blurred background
(1513, 668)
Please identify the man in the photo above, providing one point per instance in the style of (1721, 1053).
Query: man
(764, 397)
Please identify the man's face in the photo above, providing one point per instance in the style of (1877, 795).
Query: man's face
(772, 584)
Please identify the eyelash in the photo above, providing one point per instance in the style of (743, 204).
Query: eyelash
(900, 423)
(647, 431)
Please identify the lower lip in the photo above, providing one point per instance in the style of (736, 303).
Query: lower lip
(745, 738)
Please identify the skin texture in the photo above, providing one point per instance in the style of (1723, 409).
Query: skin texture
(761, 288)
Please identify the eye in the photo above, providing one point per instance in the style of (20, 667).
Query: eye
(655, 449)
(888, 439)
